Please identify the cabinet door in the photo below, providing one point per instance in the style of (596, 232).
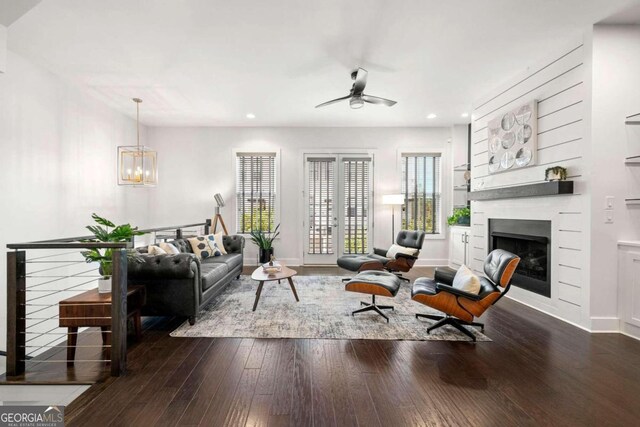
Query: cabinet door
(458, 247)
(629, 288)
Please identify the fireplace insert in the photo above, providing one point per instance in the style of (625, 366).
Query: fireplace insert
(531, 241)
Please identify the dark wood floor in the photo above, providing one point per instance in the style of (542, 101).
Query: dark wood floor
(536, 371)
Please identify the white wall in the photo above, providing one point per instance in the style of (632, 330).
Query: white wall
(198, 162)
(3, 48)
(558, 83)
(58, 158)
(615, 95)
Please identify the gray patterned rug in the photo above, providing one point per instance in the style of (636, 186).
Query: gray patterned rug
(324, 311)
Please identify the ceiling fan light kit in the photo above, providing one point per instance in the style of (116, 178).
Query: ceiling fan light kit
(356, 96)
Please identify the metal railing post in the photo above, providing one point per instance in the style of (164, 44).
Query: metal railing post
(16, 322)
(207, 226)
(119, 313)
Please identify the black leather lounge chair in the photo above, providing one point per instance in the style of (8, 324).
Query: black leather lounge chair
(461, 307)
(378, 260)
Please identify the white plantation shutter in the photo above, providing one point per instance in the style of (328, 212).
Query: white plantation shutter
(356, 205)
(255, 191)
(321, 185)
(421, 190)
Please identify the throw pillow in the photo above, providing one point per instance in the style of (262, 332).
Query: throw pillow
(204, 246)
(156, 250)
(169, 248)
(466, 281)
(396, 249)
(220, 242)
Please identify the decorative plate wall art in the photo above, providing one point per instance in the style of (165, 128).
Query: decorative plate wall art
(513, 139)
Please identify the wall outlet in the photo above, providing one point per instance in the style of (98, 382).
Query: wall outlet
(608, 216)
(608, 202)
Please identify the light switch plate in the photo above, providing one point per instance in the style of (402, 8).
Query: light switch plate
(609, 201)
(608, 216)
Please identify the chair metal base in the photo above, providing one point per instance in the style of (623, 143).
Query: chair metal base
(401, 277)
(453, 321)
(373, 306)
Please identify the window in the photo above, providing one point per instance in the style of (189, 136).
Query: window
(421, 190)
(255, 192)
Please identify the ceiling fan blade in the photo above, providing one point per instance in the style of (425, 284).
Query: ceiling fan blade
(377, 100)
(333, 101)
(361, 81)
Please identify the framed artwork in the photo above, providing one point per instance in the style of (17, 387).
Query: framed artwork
(513, 139)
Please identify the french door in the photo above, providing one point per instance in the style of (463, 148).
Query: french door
(338, 206)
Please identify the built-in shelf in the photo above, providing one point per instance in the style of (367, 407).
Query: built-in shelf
(553, 188)
(633, 119)
(632, 201)
(632, 161)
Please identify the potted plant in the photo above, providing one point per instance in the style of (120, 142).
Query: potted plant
(264, 242)
(460, 216)
(106, 231)
(556, 173)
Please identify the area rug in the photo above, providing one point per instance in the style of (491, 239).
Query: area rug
(324, 311)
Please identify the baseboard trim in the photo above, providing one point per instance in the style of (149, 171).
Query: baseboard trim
(290, 262)
(550, 314)
(605, 325)
(431, 262)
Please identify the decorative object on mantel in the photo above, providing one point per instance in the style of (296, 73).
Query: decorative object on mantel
(551, 188)
(137, 164)
(513, 138)
(264, 242)
(107, 232)
(556, 173)
(460, 216)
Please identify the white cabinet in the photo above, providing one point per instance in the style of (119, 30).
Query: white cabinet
(459, 246)
(629, 287)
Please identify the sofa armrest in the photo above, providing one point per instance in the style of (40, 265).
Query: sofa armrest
(381, 252)
(457, 292)
(178, 266)
(233, 244)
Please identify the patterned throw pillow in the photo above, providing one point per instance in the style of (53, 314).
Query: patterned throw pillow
(204, 246)
(220, 242)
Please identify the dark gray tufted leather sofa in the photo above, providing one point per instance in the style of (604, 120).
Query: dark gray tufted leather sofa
(179, 285)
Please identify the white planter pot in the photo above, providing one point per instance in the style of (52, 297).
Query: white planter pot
(104, 286)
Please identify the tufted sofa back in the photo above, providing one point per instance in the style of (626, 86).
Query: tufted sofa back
(410, 239)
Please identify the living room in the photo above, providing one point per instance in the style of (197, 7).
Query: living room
(346, 213)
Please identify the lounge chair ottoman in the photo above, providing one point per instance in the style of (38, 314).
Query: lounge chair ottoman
(374, 283)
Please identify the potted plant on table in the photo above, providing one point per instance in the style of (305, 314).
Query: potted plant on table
(460, 216)
(264, 242)
(107, 232)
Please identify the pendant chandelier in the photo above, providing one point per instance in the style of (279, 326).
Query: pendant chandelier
(137, 164)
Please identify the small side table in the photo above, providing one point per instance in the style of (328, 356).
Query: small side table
(92, 308)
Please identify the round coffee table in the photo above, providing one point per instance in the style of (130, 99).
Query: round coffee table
(260, 276)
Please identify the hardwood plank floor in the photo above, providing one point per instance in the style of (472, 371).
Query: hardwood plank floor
(536, 371)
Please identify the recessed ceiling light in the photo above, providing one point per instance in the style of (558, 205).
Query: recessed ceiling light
(251, 116)
(465, 114)
(431, 116)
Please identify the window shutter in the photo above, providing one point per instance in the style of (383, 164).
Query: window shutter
(255, 192)
(421, 189)
(356, 205)
(321, 185)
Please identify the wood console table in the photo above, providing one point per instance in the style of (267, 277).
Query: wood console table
(90, 309)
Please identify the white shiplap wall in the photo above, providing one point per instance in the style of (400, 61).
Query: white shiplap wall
(559, 84)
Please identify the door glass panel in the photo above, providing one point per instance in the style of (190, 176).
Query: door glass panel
(321, 215)
(356, 205)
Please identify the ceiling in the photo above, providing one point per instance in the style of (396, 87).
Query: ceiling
(211, 62)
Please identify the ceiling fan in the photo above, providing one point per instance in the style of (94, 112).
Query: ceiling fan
(356, 96)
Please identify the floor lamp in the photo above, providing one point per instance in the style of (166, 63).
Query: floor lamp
(393, 200)
(218, 217)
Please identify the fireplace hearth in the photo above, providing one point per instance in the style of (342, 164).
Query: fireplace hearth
(531, 241)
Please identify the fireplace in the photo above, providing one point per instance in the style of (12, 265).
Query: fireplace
(531, 241)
